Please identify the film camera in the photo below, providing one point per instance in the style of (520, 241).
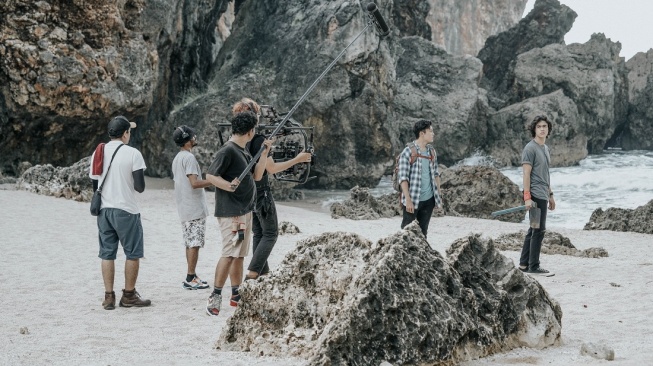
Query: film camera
(291, 139)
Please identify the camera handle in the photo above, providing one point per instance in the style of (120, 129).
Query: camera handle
(292, 110)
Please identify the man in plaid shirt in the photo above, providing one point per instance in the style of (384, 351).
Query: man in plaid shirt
(419, 177)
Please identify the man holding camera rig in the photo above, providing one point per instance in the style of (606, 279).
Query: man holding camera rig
(265, 221)
(234, 202)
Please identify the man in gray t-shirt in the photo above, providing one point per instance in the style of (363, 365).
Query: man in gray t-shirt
(537, 189)
(191, 202)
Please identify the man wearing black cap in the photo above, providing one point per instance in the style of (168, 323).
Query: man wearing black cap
(118, 168)
(191, 202)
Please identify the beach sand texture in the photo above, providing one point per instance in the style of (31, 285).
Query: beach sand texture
(51, 287)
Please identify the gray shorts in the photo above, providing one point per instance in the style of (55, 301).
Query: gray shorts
(116, 225)
(194, 231)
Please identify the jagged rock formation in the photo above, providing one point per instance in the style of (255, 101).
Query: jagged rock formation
(639, 127)
(592, 75)
(546, 24)
(286, 228)
(67, 67)
(553, 243)
(398, 300)
(580, 87)
(477, 191)
(508, 130)
(621, 219)
(70, 182)
(470, 191)
(361, 205)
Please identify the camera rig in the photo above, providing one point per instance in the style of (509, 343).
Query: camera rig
(291, 139)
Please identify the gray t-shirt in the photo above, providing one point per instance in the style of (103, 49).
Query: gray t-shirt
(191, 202)
(538, 157)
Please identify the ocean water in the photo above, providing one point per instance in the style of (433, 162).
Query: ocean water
(622, 179)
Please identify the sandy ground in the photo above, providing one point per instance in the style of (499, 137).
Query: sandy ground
(51, 287)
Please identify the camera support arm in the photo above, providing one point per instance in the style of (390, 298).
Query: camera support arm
(292, 110)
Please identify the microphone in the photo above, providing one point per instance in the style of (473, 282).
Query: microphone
(377, 19)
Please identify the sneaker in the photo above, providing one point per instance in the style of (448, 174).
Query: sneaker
(195, 284)
(525, 269)
(109, 302)
(235, 299)
(539, 271)
(133, 298)
(213, 304)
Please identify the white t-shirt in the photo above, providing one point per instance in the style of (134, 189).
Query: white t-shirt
(191, 202)
(118, 191)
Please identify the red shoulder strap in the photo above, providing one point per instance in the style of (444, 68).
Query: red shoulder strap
(98, 160)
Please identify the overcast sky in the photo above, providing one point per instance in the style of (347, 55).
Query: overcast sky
(627, 21)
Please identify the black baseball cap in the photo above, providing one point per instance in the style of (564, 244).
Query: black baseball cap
(118, 125)
(183, 134)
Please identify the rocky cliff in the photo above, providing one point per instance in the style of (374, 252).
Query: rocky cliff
(68, 66)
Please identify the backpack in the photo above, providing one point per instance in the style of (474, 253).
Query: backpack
(413, 157)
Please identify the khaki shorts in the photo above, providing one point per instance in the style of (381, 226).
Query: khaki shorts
(231, 247)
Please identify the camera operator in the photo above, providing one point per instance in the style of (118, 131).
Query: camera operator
(265, 223)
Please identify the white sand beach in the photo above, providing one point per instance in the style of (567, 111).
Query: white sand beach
(51, 287)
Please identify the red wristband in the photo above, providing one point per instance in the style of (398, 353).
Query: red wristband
(527, 195)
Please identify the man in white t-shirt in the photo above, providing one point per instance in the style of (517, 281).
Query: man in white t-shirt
(118, 169)
(191, 202)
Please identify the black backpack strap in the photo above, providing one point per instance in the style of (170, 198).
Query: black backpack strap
(105, 176)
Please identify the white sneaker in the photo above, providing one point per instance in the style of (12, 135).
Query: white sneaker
(195, 284)
(213, 304)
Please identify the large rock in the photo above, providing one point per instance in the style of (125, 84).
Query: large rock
(470, 191)
(361, 205)
(364, 108)
(639, 127)
(477, 191)
(433, 84)
(546, 24)
(339, 299)
(621, 219)
(67, 67)
(70, 182)
(592, 75)
(553, 243)
(508, 132)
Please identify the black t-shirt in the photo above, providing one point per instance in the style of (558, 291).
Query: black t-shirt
(229, 162)
(253, 147)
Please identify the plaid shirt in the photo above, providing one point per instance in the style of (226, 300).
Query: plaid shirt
(413, 174)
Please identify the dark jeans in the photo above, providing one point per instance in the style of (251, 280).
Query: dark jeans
(422, 214)
(530, 253)
(266, 230)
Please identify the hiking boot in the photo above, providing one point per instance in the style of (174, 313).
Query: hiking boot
(539, 271)
(109, 302)
(133, 298)
(235, 299)
(195, 284)
(213, 304)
